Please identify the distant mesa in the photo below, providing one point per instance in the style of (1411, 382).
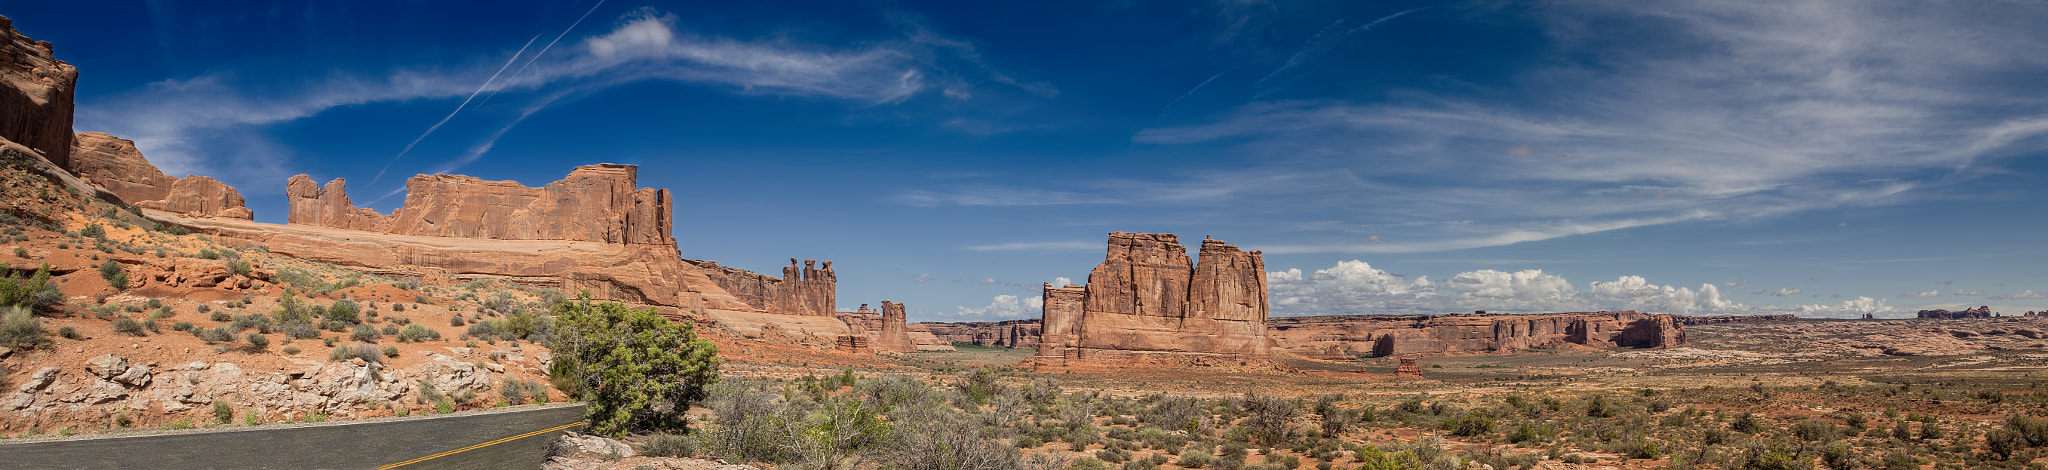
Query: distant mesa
(807, 290)
(1940, 314)
(1148, 304)
(595, 203)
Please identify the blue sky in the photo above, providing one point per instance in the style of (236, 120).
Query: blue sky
(1816, 158)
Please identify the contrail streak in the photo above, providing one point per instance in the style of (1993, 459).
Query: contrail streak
(543, 50)
(458, 109)
(1322, 42)
(1191, 91)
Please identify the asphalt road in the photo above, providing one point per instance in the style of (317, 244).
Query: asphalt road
(365, 445)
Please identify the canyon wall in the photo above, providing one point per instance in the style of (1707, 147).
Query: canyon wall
(114, 164)
(594, 203)
(1147, 303)
(806, 290)
(36, 93)
(1003, 334)
(894, 335)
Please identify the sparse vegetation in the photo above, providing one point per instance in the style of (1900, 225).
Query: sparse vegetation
(638, 370)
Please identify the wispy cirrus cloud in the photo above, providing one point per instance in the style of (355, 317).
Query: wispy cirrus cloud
(182, 124)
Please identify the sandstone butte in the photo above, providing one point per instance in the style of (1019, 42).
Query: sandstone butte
(1147, 304)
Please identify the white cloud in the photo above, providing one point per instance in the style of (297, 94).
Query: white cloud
(1003, 307)
(1854, 308)
(1921, 295)
(1355, 287)
(211, 123)
(1735, 283)
(1708, 111)
(1788, 292)
(1061, 281)
(990, 281)
(922, 278)
(1964, 292)
(2023, 295)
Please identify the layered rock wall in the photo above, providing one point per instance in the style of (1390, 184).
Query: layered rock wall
(895, 334)
(1715, 319)
(36, 93)
(595, 203)
(115, 165)
(1004, 334)
(805, 290)
(1148, 303)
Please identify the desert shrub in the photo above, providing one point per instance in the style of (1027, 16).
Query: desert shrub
(114, 274)
(128, 326)
(222, 412)
(35, 292)
(1746, 423)
(389, 330)
(221, 317)
(638, 370)
(1272, 417)
(221, 334)
(364, 333)
(290, 349)
(153, 303)
(416, 333)
(68, 333)
(93, 231)
(668, 445)
(1196, 455)
(1174, 412)
(455, 320)
(365, 352)
(345, 310)
(1471, 424)
(181, 326)
(298, 329)
(979, 384)
(522, 391)
(292, 309)
(390, 351)
(1816, 431)
(160, 312)
(19, 328)
(397, 307)
(260, 323)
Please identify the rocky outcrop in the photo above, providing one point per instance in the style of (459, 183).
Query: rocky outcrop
(328, 206)
(1352, 336)
(895, 334)
(36, 92)
(115, 164)
(200, 196)
(1147, 303)
(805, 290)
(1940, 314)
(1004, 334)
(595, 203)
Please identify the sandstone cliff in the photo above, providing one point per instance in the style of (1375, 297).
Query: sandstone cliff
(806, 290)
(114, 164)
(895, 335)
(1941, 314)
(595, 203)
(1004, 334)
(36, 93)
(1148, 303)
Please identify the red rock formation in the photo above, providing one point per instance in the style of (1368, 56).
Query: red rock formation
(1408, 370)
(895, 335)
(114, 163)
(200, 196)
(36, 93)
(1940, 314)
(1004, 334)
(596, 203)
(806, 290)
(854, 343)
(311, 204)
(1147, 303)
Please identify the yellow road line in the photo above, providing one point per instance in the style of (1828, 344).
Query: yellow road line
(480, 446)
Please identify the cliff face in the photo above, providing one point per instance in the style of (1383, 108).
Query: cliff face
(1941, 314)
(895, 335)
(1003, 334)
(1147, 303)
(1349, 336)
(595, 203)
(36, 93)
(114, 164)
(806, 290)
